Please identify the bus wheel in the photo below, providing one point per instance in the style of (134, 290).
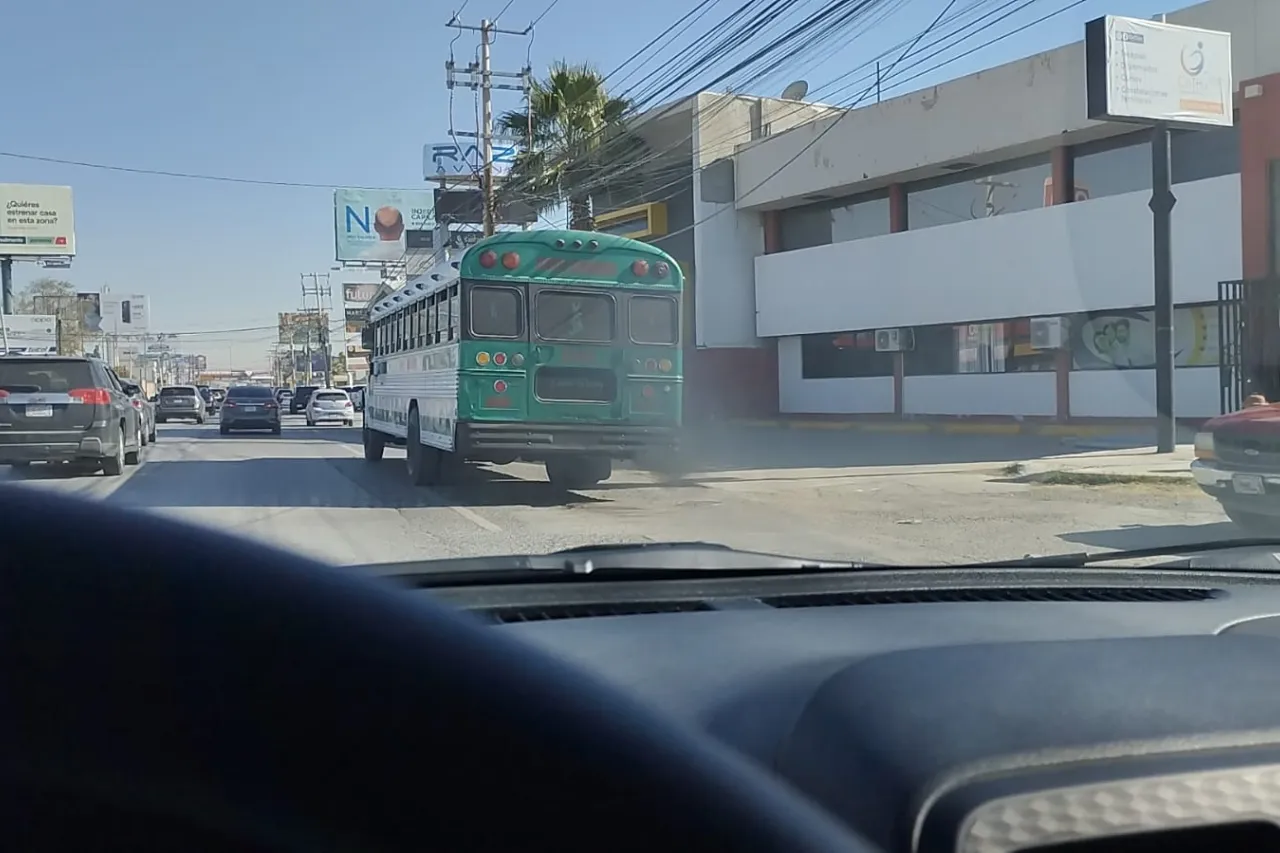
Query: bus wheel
(578, 472)
(374, 444)
(421, 461)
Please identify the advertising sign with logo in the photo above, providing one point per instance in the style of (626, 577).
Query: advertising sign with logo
(1147, 72)
(36, 221)
(370, 225)
(463, 159)
(361, 294)
(31, 333)
(359, 316)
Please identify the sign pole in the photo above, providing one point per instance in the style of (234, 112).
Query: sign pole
(1161, 204)
(6, 281)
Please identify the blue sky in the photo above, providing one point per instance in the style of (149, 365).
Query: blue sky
(313, 92)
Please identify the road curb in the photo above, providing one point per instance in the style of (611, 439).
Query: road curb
(1065, 431)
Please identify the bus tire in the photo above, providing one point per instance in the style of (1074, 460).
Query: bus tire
(374, 444)
(578, 472)
(420, 461)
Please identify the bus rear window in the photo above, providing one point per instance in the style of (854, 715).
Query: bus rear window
(495, 312)
(574, 316)
(653, 320)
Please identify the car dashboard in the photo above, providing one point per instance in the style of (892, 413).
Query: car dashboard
(983, 711)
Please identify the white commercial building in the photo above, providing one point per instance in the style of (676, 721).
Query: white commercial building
(994, 239)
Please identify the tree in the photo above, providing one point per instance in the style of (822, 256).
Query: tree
(57, 297)
(572, 134)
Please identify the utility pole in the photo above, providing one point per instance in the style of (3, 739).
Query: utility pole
(323, 294)
(479, 75)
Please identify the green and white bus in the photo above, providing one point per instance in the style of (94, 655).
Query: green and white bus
(558, 347)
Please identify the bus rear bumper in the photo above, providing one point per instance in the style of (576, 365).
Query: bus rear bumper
(536, 442)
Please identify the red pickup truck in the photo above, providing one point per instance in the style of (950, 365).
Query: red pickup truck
(1238, 464)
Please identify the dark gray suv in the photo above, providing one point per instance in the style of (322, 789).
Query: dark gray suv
(180, 403)
(64, 409)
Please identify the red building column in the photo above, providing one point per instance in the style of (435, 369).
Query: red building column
(898, 223)
(1063, 187)
(1258, 119)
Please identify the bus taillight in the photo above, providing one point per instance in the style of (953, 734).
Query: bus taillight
(511, 260)
(517, 359)
(665, 365)
(482, 358)
(499, 358)
(499, 387)
(640, 268)
(662, 269)
(488, 258)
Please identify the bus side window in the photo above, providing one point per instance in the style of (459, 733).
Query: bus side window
(431, 318)
(455, 313)
(419, 323)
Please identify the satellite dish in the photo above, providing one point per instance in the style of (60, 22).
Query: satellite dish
(795, 91)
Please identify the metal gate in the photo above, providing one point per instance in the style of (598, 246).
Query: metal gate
(1231, 373)
(1248, 341)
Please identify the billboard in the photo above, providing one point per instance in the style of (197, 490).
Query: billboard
(36, 221)
(454, 160)
(33, 333)
(466, 207)
(302, 328)
(360, 293)
(89, 308)
(125, 314)
(1147, 72)
(369, 225)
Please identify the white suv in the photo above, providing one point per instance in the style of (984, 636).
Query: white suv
(330, 404)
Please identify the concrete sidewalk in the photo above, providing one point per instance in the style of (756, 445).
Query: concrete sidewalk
(1140, 464)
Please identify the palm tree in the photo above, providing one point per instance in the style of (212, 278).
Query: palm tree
(571, 135)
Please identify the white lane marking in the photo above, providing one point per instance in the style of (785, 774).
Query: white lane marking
(470, 515)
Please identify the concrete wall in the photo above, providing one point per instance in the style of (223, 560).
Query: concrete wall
(1055, 260)
(1019, 108)
(726, 240)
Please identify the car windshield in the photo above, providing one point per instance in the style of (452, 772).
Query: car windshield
(908, 283)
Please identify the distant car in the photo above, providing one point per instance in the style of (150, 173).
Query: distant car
(180, 403)
(210, 404)
(356, 392)
(65, 409)
(249, 407)
(146, 409)
(330, 404)
(298, 402)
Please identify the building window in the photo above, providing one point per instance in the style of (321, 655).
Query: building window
(860, 218)
(1125, 339)
(1114, 166)
(1200, 154)
(804, 228)
(844, 355)
(1010, 187)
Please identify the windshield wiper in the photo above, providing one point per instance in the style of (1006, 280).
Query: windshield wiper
(1084, 558)
(647, 560)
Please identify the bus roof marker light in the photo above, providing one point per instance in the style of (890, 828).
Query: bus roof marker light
(662, 269)
(560, 243)
(640, 268)
(594, 244)
(577, 244)
(510, 260)
(488, 258)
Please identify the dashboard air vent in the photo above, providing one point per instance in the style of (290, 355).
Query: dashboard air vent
(1100, 594)
(509, 615)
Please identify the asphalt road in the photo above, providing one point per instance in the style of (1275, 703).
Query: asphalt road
(896, 498)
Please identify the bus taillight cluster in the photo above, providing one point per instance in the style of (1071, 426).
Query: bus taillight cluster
(498, 359)
(489, 259)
